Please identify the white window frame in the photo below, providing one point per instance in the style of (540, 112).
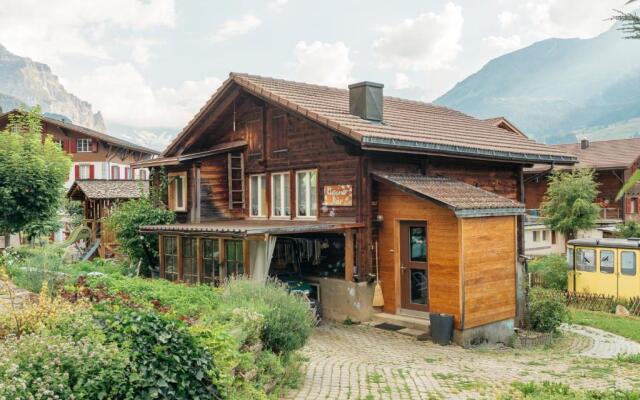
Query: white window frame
(87, 168)
(85, 147)
(142, 174)
(262, 179)
(284, 176)
(112, 175)
(183, 177)
(308, 195)
(59, 142)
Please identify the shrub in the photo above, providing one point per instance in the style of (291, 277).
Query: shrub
(30, 267)
(630, 229)
(547, 310)
(57, 367)
(553, 269)
(288, 321)
(169, 362)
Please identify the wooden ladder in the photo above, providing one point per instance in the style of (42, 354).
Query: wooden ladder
(236, 180)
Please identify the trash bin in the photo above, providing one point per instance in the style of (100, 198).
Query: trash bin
(441, 328)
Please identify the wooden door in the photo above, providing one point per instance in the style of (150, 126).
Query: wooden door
(414, 276)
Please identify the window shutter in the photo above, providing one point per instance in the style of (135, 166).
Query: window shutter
(91, 171)
(171, 195)
(94, 146)
(65, 145)
(77, 172)
(629, 209)
(73, 146)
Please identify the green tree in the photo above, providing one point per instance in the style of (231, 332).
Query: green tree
(568, 205)
(630, 229)
(126, 219)
(32, 173)
(630, 22)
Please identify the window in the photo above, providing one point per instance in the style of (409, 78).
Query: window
(535, 236)
(553, 237)
(586, 260)
(307, 193)
(633, 205)
(170, 258)
(280, 195)
(418, 243)
(83, 145)
(115, 172)
(234, 257)
(189, 266)
(279, 139)
(628, 263)
(127, 173)
(570, 259)
(178, 191)
(60, 143)
(258, 195)
(84, 171)
(210, 260)
(143, 175)
(606, 261)
(544, 235)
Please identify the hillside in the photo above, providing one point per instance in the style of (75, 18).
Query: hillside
(559, 89)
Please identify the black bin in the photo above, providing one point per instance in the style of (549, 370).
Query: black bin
(441, 328)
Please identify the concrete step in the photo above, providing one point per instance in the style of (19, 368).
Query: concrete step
(413, 323)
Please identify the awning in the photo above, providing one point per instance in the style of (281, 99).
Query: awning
(241, 228)
(109, 189)
(463, 199)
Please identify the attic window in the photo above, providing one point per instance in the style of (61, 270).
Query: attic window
(178, 191)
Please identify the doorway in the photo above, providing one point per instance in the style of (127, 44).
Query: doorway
(414, 274)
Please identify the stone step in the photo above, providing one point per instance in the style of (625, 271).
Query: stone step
(414, 323)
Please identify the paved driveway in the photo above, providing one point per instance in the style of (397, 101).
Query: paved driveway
(362, 362)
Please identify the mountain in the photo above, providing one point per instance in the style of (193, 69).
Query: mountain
(558, 90)
(25, 81)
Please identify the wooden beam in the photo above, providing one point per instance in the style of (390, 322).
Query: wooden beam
(161, 254)
(348, 255)
(180, 264)
(199, 252)
(223, 260)
(246, 258)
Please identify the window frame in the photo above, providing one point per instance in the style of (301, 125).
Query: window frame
(570, 258)
(612, 269)
(82, 167)
(285, 197)
(142, 175)
(308, 202)
(166, 256)
(262, 199)
(189, 257)
(112, 175)
(81, 148)
(173, 178)
(622, 269)
(237, 261)
(60, 143)
(579, 263)
(216, 267)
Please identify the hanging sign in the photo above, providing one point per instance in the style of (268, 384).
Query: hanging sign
(338, 195)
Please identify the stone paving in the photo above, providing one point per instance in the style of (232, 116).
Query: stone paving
(605, 344)
(362, 362)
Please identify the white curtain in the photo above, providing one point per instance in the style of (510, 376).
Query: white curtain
(260, 253)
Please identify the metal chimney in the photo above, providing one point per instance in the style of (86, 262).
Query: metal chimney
(366, 100)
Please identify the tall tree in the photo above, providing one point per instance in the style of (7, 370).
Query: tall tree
(33, 170)
(569, 204)
(630, 22)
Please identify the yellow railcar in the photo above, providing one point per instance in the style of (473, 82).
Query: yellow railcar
(604, 266)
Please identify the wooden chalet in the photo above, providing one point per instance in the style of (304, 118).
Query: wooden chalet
(98, 198)
(315, 185)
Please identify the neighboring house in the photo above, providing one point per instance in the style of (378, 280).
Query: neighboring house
(614, 161)
(95, 155)
(98, 198)
(317, 185)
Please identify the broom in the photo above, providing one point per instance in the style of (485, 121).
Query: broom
(378, 300)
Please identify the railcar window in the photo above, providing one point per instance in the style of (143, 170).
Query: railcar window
(606, 261)
(628, 263)
(570, 259)
(586, 260)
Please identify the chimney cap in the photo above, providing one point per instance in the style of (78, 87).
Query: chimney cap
(366, 83)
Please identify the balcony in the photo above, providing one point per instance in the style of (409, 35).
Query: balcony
(533, 215)
(608, 214)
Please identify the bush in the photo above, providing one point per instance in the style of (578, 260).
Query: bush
(547, 310)
(50, 367)
(288, 321)
(630, 229)
(553, 270)
(30, 267)
(169, 362)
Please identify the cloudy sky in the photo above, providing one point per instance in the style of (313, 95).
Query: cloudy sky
(153, 63)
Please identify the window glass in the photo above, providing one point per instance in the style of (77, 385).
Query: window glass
(586, 260)
(570, 258)
(628, 263)
(606, 261)
(189, 266)
(83, 145)
(170, 258)
(307, 188)
(210, 260)
(115, 172)
(280, 195)
(179, 192)
(59, 143)
(544, 236)
(234, 257)
(535, 236)
(258, 192)
(418, 243)
(84, 171)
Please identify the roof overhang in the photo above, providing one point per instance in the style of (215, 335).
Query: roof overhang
(169, 161)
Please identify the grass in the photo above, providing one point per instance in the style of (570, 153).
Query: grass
(628, 327)
(559, 391)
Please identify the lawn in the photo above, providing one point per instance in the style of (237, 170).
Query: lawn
(628, 327)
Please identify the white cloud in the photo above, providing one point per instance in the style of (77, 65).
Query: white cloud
(236, 27)
(429, 41)
(141, 50)
(277, 4)
(507, 18)
(124, 97)
(504, 44)
(50, 30)
(402, 81)
(323, 63)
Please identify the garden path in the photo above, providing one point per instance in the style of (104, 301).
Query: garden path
(605, 344)
(362, 362)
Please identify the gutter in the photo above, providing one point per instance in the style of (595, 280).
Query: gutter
(489, 212)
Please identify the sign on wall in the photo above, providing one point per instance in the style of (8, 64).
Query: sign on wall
(338, 195)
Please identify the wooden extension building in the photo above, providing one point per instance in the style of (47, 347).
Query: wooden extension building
(316, 185)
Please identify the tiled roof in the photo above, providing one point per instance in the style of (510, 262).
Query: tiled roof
(245, 227)
(462, 198)
(603, 154)
(110, 189)
(407, 125)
